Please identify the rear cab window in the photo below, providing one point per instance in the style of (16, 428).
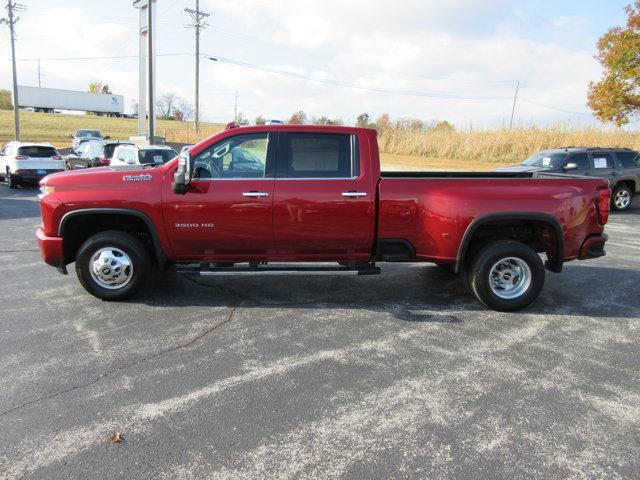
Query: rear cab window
(318, 155)
(155, 157)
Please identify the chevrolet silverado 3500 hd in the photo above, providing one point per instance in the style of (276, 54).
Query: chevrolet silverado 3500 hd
(264, 199)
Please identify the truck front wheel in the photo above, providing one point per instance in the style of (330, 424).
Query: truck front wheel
(112, 265)
(506, 275)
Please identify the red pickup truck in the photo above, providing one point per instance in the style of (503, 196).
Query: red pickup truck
(265, 199)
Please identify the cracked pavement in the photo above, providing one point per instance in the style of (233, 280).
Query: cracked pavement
(401, 375)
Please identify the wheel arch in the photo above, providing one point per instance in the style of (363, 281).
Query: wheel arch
(73, 217)
(554, 261)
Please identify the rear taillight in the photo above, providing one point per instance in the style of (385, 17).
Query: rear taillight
(22, 171)
(22, 157)
(603, 202)
(56, 157)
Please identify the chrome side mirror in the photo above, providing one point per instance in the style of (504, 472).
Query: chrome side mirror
(182, 177)
(570, 166)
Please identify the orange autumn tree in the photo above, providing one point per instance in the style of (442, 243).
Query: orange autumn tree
(616, 97)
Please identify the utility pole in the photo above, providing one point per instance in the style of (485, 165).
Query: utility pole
(235, 108)
(513, 109)
(151, 58)
(11, 21)
(198, 25)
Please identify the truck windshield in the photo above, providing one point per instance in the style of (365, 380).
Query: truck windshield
(159, 156)
(545, 160)
(88, 133)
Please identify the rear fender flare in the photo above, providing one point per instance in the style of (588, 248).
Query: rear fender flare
(554, 265)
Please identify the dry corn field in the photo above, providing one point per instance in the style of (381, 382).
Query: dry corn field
(472, 149)
(499, 145)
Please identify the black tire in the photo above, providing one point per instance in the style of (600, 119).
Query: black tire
(621, 198)
(10, 179)
(480, 269)
(131, 246)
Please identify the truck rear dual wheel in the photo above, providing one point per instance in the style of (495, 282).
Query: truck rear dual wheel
(113, 265)
(506, 275)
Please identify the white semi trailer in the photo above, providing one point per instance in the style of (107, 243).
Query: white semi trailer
(50, 99)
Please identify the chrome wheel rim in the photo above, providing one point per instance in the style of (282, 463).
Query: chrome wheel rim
(510, 278)
(623, 198)
(111, 268)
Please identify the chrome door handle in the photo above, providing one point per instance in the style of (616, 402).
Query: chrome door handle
(354, 194)
(255, 194)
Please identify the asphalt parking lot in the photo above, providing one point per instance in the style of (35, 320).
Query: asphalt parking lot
(402, 375)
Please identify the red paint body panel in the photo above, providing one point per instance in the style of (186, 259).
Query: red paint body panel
(50, 247)
(434, 213)
(310, 219)
(213, 220)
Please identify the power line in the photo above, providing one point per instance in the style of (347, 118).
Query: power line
(113, 57)
(538, 104)
(353, 85)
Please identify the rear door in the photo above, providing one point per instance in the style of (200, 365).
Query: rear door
(603, 165)
(227, 212)
(324, 203)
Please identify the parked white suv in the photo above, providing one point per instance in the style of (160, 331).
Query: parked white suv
(136, 155)
(27, 163)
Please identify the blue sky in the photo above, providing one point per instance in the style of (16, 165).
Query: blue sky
(462, 57)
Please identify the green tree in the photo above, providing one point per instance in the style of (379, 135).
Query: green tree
(260, 120)
(5, 100)
(363, 120)
(616, 97)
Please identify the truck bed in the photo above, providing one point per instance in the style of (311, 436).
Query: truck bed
(434, 174)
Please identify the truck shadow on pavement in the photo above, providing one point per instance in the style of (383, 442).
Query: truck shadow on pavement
(412, 293)
(18, 203)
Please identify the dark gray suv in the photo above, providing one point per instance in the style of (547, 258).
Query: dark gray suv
(618, 165)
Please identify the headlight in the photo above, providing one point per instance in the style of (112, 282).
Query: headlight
(46, 189)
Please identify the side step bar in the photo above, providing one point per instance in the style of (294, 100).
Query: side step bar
(205, 270)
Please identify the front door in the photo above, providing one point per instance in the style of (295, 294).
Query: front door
(227, 211)
(324, 203)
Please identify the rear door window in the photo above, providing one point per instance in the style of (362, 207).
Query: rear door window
(628, 159)
(602, 160)
(37, 152)
(318, 155)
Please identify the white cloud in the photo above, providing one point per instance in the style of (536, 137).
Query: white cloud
(461, 47)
